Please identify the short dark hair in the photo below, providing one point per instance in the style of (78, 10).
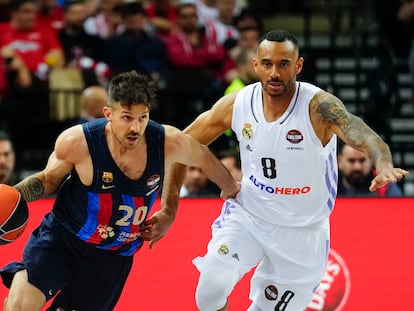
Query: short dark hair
(131, 9)
(247, 13)
(184, 5)
(132, 88)
(280, 35)
(68, 4)
(340, 146)
(16, 4)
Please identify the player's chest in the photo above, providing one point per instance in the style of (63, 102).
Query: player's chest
(132, 167)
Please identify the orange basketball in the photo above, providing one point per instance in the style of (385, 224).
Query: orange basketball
(14, 214)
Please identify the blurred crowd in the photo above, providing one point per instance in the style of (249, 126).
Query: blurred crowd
(194, 50)
(57, 57)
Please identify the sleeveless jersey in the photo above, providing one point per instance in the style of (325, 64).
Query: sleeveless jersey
(109, 212)
(289, 177)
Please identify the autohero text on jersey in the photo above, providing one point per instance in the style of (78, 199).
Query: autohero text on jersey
(280, 190)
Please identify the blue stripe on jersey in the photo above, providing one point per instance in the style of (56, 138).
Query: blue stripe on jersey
(225, 211)
(252, 101)
(154, 196)
(334, 173)
(91, 222)
(331, 181)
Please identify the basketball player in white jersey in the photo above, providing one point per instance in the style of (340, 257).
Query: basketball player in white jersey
(279, 221)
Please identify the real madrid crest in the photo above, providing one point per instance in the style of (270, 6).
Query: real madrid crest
(223, 250)
(247, 131)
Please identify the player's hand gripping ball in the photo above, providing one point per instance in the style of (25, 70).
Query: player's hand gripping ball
(14, 214)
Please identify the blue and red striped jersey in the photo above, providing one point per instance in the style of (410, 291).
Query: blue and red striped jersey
(108, 213)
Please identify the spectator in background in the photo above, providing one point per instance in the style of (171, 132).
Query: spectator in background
(201, 68)
(82, 50)
(4, 11)
(50, 15)
(162, 15)
(14, 70)
(231, 160)
(7, 160)
(221, 28)
(102, 22)
(92, 101)
(355, 174)
(245, 71)
(35, 44)
(29, 52)
(247, 19)
(196, 184)
(135, 48)
(247, 41)
(206, 9)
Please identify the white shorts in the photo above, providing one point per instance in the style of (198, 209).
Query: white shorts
(290, 260)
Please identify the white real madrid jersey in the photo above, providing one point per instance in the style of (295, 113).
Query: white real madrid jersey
(289, 177)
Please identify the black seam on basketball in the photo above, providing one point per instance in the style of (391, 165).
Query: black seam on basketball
(18, 215)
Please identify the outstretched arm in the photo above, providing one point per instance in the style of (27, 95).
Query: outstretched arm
(182, 150)
(334, 117)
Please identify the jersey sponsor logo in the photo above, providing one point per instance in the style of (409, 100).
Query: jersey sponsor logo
(294, 136)
(105, 231)
(127, 237)
(247, 131)
(295, 148)
(105, 187)
(153, 181)
(271, 292)
(280, 190)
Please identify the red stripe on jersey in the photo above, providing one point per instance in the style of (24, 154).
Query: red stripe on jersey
(138, 203)
(103, 216)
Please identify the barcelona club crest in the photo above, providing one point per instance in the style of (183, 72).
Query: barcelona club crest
(107, 177)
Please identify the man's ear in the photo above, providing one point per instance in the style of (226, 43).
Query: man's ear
(107, 112)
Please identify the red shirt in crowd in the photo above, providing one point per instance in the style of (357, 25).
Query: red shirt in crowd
(32, 46)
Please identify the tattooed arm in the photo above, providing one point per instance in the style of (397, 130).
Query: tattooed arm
(31, 188)
(330, 116)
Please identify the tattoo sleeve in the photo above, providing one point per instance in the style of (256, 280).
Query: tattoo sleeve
(31, 189)
(353, 130)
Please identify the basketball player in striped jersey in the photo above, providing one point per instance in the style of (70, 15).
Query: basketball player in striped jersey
(107, 174)
(287, 132)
